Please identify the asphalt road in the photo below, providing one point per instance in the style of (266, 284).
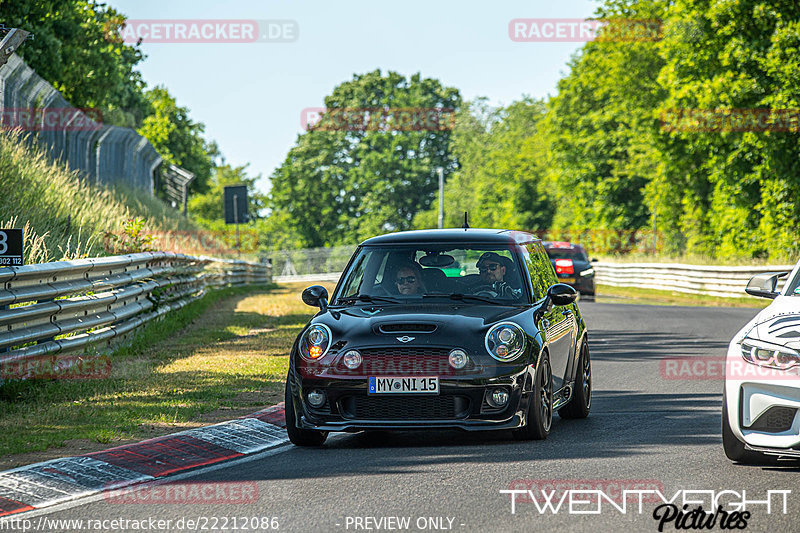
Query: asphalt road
(643, 428)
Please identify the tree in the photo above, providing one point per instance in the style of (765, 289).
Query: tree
(76, 49)
(177, 138)
(500, 154)
(370, 165)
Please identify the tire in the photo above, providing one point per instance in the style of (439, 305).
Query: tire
(298, 436)
(581, 401)
(734, 448)
(539, 417)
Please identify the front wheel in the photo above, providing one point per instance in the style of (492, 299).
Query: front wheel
(540, 406)
(581, 402)
(299, 436)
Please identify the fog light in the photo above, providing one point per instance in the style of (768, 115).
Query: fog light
(352, 359)
(458, 359)
(498, 398)
(316, 398)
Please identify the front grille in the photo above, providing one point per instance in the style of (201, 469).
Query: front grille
(405, 361)
(776, 419)
(405, 407)
(407, 328)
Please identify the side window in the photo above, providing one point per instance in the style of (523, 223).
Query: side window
(539, 272)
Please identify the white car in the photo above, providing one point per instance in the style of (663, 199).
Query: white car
(762, 377)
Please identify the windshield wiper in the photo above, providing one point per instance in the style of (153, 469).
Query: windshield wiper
(462, 297)
(368, 298)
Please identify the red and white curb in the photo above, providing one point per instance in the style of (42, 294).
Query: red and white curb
(52, 482)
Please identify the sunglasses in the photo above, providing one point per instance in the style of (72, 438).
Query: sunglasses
(408, 279)
(490, 268)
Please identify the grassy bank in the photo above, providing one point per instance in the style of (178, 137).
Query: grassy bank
(64, 217)
(216, 359)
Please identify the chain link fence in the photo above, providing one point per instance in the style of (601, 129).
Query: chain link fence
(77, 137)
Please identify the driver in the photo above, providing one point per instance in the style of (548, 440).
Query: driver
(492, 268)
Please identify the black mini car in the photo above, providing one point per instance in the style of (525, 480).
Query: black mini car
(572, 266)
(465, 329)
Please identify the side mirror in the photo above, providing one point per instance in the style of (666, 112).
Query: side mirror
(562, 294)
(765, 285)
(594, 260)
(316, 296)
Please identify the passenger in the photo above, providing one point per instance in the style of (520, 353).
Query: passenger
(408, 279)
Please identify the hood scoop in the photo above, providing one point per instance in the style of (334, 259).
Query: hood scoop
(785, 328)
(406, 327)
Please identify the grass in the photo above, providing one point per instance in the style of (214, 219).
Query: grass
(609, 294)
(63, 216)
(223, 356)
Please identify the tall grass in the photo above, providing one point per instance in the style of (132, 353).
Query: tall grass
(62, 215)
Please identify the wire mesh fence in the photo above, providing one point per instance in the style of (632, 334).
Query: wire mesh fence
(103, 154)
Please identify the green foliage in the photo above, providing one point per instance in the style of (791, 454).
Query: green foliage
(177, 138)
(343, 185)
(77, 50)
(130, 240)
(500, 169)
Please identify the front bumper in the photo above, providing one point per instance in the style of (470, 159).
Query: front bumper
(763, 412)
(460, 404)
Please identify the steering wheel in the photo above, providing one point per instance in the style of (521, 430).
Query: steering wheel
(487, 291)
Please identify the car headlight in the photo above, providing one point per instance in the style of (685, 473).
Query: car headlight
(505, 341)
(769, 355)
(315, 342)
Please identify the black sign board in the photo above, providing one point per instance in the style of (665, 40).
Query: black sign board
(11, 247)
(236, 204)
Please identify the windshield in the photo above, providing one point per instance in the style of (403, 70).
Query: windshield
(794, 285)
(487, 274)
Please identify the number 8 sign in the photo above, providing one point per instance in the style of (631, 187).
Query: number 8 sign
(11, 247)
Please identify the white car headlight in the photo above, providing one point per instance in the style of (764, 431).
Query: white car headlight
(505, 341)
(315, 342)
(769, 355)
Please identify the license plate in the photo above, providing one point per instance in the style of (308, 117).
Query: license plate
(403, 385)
(567, 280)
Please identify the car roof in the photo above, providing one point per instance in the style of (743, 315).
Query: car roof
(562, 245)
(456, 235)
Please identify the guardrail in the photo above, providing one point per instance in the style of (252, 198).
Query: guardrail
(66, 306)
(724, 281)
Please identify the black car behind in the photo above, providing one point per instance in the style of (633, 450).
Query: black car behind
(572, 266)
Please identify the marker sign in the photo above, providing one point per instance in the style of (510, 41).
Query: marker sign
(11, 247)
